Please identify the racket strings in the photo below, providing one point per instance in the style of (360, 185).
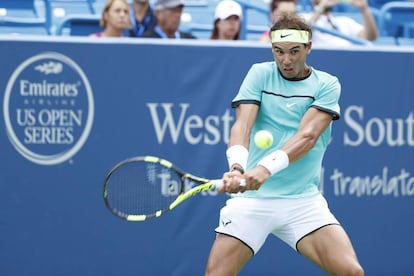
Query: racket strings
(142, 188)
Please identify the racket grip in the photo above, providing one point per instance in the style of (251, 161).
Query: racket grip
(218, 183)
(243, 182)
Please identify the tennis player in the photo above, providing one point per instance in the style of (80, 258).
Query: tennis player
(297, 103)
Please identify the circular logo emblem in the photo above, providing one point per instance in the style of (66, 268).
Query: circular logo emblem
(48, 108)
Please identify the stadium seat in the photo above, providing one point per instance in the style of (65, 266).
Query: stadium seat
(198, 18)
(57, 10)
(200, 31)
(98, 6)
(396, 19)
(255, 19)
(18, 8)
(22, 17)
(385, 41)
(79, 25)
(404, 41)
(22, 26)
(379, 3)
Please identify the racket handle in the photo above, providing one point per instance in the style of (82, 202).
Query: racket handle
(243, 182)
(218, 183)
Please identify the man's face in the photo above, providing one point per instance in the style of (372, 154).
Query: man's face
(169, 19)
(290, 58)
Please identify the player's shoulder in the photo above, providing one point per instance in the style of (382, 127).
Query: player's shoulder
(326, 80)
(323, 75)
(266, 66)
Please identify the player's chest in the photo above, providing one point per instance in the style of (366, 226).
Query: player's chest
(292, 103)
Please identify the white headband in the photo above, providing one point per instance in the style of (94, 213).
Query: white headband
(290, 35)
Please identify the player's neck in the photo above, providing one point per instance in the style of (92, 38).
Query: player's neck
(306, 71)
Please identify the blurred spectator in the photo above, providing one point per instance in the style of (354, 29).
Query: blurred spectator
(142, 17)
(168, 13)
(227, 20)
(277, 8)
(323, 17)
(115, 19)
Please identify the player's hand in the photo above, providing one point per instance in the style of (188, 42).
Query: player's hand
(253, 180)
(256, 177)
(232, 183)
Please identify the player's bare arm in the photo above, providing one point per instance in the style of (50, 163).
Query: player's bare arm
(245, 118)
(312, 125)
(239, 135)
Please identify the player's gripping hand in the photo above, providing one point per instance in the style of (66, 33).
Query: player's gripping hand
(256, 177)
(233, 183)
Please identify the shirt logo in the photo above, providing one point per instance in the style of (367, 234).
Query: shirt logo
(283, 36)
(289, 105)
(226, 222)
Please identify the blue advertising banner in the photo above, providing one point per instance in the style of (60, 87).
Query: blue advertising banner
(74, 107)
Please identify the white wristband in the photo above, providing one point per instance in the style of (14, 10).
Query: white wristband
(237, 154)
(275, 161)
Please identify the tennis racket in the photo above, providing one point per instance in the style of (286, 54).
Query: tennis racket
(145, 187)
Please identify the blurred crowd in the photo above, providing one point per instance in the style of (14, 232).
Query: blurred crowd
(333, 22)
(163, 18)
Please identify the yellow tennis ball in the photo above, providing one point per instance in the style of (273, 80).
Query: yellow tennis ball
(263, 139)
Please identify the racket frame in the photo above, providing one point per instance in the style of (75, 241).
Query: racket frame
(204, 184)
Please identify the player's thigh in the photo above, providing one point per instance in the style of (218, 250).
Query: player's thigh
(228, 255)
(330, 248)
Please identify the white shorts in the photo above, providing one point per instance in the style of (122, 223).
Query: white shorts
(251, 220)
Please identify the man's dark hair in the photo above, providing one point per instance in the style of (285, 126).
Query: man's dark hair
(293, 22)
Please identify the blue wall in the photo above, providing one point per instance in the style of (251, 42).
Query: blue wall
(73, 108)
